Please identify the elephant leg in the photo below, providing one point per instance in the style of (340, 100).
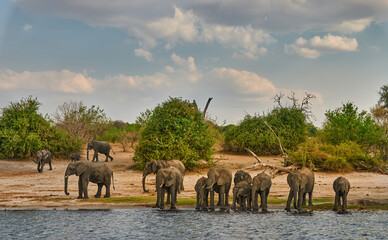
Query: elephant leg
(198, 202)
(304, 199)
(111, 158)
(249, 200)
(336, 200)
(300, 197)
(234, 200)
(212, 200)
(311, 198)
(344, 202)
(227, 196)
(173, 192)
(158, 197)
(98, 194)
(95, 156)
(222, 200)
(107, 190)
(80, 191)
(290, 196)
(161, 204)
(51, 168)
(168, 196)
(255, 200)
(107, 155)
(85, 182)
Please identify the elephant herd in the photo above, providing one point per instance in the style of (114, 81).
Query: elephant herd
(170, 175)
(245, 191)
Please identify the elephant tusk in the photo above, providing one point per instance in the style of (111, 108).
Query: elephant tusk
(210, 186)
(161, 185)
(204, 186)
(66, 176)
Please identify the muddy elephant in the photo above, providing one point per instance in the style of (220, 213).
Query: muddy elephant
(43, 157)
(155, 165)
(74, 157)
(341, 188)
(243, 192)
(301, 182)
(219, 180)
(99, 147)
(167, 180)
(202, 194)
(240, 176)
(261, 184)
(95, 172)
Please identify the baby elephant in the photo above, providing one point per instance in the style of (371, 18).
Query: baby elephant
(75, 157)
(43, 157)
(242, 191)
(341, 187)
(202, 194)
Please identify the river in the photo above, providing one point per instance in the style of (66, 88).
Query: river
(190, 224)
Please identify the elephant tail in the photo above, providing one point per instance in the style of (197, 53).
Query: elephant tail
(113, 151)
(113, 182)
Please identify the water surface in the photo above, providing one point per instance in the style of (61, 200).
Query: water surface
(190, 224)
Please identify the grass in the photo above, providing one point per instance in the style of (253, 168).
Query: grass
(319, 204)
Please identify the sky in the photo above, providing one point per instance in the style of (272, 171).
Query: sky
(128, 56)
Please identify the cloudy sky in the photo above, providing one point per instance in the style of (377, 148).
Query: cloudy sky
(128, 56)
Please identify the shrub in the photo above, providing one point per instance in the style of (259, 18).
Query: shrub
(174, 130)
(23, 131)
(288, 123)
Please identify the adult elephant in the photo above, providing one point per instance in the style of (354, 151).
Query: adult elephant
(341, 188)
(99, 147)
(240, 176)
(261, 185)
(167, 180)
(155, 165)
(95, 172)
(219, 180)
(43, 157)
(301, 182)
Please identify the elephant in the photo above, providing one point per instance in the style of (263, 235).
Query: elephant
(167, 179)
(202, 194)
(301, 182)
(243, 192)
(95, 172)
(241, 175)
(99, 147)
(261, 185)
(155, 165)
(43, 157)
(74, 157)
(341, 188)
(219, 180)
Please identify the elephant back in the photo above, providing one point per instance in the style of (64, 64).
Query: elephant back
(241, 175)
(308, 178)
(341, 184)
(262, 181)
(178, 165)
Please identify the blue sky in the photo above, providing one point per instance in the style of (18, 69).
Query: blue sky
(128, 56)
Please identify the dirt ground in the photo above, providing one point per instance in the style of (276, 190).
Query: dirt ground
(21, 186)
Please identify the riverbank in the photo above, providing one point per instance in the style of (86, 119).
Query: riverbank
(22, 187)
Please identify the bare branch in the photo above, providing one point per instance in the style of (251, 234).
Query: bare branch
(207, 105)
(280, 143)
(257, 158)
(278, 99)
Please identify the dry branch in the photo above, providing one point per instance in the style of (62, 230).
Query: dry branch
(207, 105)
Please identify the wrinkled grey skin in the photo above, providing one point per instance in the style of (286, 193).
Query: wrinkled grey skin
(202, 194)
(43, 157)
(261, 184)
(167, 180)
(99, 147)
(219, 179)
(240, 176)
(341, 188)
(301, 182)
(95, 172)
(74, 157)
(243, 192)
(155, 165)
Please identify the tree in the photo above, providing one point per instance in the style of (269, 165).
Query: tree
(380, 115)
(24, 131)
(383, 100)
(81, 121)
(174, 130)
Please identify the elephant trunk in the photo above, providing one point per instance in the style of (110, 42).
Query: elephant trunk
(144, 178)
(87, 154)
(66, 183)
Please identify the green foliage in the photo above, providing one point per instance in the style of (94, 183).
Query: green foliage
(174, 130)
(116, 130)
(328, 157)
(383, 100)
(288, 123)
(23, 131)
(80, 121)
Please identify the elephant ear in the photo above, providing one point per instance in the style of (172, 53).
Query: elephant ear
(154, 167)
(81, 168)
(264, 184)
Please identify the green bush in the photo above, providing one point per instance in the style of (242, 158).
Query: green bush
(23, 131)
(174, 130)
(288, 123)
(116, 130)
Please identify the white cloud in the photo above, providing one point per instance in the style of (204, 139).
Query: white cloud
(58, 81)
(187, 68)
(244, 82)
(317, 46)
(27, 27)
(352, 26)
(144, 54)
